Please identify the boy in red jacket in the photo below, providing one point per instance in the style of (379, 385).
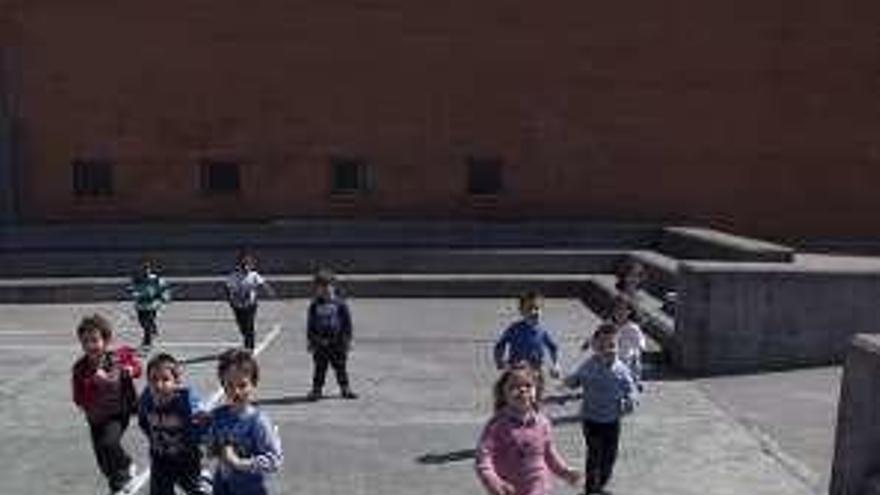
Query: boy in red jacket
(103, 387)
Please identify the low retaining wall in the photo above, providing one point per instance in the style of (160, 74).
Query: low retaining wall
(364, 285)
(856, 468)
(743, 317)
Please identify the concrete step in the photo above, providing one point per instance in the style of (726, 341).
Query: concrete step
(661, 272)
(110, 263)
(695, 243)
(599, 292)
(448, 285)
(321, 234)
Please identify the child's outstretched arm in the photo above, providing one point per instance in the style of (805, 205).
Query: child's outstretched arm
(575, 379)
(268, 456)
(554, 460)
(311, 326)
(345, 320)
(500, 347)
(485, 467)
(553, 350)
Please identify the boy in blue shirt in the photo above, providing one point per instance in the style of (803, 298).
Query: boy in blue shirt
(241, 436)
(329, 336)
(171, 416)
(525, 339)
(608, 393)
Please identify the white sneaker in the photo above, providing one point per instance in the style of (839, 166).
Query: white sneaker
(129, 485)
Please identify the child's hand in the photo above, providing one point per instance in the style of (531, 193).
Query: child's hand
(555, 372)
(101, 374)
(505, 488)
(571, 476)
(201, 418)
(228, 455)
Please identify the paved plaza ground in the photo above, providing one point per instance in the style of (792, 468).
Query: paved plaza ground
(424, 371)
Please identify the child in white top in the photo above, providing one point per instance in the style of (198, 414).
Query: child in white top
(631, 341)
(241, 292)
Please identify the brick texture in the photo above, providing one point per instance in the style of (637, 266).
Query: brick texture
(752, 115)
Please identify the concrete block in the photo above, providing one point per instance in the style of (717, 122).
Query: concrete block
(856, 467)
(759, 316)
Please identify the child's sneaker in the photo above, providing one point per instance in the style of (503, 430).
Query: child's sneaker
(313, 396)
(348, 394)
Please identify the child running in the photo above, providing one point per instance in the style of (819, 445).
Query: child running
(103, 388)
(516, 454)
(171, 417)
(329, 336)
(241, 292)
(241, 436)
(631, 342)
(149, 292)
(525, 339)
(608, 394)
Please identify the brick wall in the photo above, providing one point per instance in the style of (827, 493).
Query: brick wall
(749, 115)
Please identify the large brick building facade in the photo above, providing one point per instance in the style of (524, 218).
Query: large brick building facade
(753, 115)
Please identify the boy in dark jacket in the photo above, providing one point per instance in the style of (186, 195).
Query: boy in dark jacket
(172, 418)
(329, 335)
(103, 388)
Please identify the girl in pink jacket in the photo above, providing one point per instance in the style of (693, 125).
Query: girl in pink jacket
(516, 455)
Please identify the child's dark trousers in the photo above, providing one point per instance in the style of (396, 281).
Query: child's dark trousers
(335, 355)
(602, 440)
(107, 444)
(147, 319)
(183, 471)
(245, 319)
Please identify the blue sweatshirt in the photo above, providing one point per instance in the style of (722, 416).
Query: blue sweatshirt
(524, 340)
(170, 427)
(329, 322)
(609, 391)
(252, 435)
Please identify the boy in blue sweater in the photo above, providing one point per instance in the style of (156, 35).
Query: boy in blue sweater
(241, 436)
(525, 339)
(329, 336)
(609, 393)
(171, 416)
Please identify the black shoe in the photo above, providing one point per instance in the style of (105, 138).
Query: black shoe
(313, 396)
(348, 394)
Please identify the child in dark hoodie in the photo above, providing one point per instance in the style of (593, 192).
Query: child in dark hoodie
(172, 418)
(329, 335)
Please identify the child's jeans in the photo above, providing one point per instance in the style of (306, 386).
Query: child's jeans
(112, 459)
(601, 440)
(147, 319)
(245, 319)
(183, 471)
(336, 355)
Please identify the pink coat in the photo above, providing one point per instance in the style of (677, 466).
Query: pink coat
(519, 451)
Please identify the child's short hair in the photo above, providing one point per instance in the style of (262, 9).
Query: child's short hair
(161, 360)
(324, 276)
(245, 256)
(517, 369)
(529, 295)
(240, 359)
(605, 329)
(94, 323)
(621, 300)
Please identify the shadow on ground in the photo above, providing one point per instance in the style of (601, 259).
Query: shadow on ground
(447, 457)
